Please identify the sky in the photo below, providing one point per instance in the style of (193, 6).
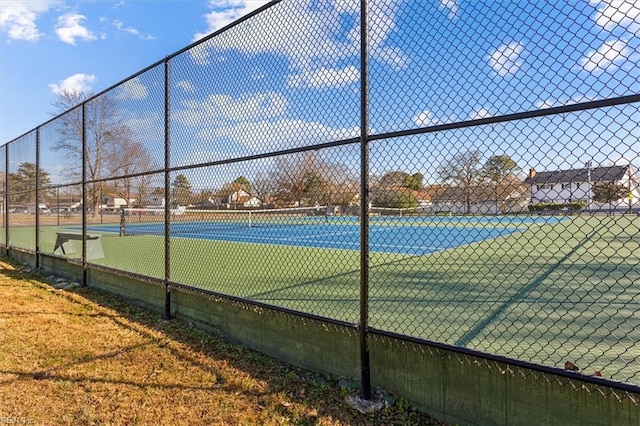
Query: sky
(289, 76)
(50, 45)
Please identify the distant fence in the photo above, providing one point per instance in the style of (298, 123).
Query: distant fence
(397, 167)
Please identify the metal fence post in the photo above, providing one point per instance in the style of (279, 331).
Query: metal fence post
(6, 200)
(37, 198)
(84, 194)
(167, 203)
(364, 205)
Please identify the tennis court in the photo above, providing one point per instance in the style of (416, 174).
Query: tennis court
(540, 288)
(400, 235)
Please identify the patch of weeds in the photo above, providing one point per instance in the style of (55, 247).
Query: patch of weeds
(291, 375)
(401, 413)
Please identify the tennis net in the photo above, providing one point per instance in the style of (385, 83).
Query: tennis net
(396, 212)
(151, 220)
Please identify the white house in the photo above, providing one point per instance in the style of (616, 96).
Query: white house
(153, 200)
(575, 185)
(230, 198)
(111, 201)
(509, 196)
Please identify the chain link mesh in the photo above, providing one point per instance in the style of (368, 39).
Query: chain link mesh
(21, 191)
(503, 173)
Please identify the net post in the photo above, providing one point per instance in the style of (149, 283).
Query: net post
(122, 222)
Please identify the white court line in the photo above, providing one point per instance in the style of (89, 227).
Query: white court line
(331, 234)
(320, 243)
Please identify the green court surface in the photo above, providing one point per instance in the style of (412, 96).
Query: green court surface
(555, 292)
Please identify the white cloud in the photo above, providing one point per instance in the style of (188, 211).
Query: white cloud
(381, 25)
(326, 77)
(506, 59)
(258, 75)
(452, 6)
(132, 89)
(222, 109)
(227, 11)
(618, 13)
(611, 54)
(479, 114)
(69, 28)
(310, 37)
(279, 134)
(623, 160)
(256, 121)
(79, 83)
(347, 6)
(130, 30)
(614, 15)
(18, 18)
(261, 136)
(199, 54)
(305, 35)
(186, 85)
(551, 103)
(425, 119)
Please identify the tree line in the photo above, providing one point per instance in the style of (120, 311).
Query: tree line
(113, 154)
(304, 179)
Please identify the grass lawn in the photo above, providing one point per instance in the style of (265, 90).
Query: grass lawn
(71, 355)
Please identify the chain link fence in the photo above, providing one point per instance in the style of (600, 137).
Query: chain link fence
(497, 144)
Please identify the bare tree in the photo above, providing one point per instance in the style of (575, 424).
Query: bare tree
(299, 178)
(109, 146)
(144, 189)
(306, 179)
(264, 187)
(130, 163)
(464, 171)
(343, 184)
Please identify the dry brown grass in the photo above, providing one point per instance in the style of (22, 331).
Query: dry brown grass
(75, 356)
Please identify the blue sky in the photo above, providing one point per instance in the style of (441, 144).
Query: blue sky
(90, 45)
(289, 76)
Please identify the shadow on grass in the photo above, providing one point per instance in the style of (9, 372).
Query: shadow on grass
(313, 391)
(50, 373)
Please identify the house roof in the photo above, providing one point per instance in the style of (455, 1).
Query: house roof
(596, 174)
(206, 203)
(485, 192)
(425, 194)
(229, 191)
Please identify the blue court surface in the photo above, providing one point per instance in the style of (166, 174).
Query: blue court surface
(410, 236)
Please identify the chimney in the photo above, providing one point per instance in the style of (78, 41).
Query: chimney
(532, 173)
